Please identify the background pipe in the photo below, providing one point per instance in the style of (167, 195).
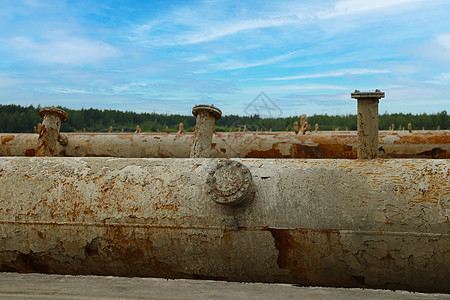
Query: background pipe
(392, 144)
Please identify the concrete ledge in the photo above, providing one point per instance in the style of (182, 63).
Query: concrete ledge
(39, 286)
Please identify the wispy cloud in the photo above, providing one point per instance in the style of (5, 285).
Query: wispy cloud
(302, 87)
(332, 74)
(234, 65)
(350, 7)
(224, 29)
(63, 49)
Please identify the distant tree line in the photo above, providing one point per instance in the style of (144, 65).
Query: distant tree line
(15, 118)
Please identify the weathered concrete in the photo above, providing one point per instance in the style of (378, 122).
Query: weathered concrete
(40, 286)
(393, 144)
(348, 223)
(367, 123)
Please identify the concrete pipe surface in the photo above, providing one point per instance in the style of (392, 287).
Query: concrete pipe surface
(401, 144)
(348, 223)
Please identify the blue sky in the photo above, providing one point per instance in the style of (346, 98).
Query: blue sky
(167, 56)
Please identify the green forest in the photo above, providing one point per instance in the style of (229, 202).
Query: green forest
(15, 118)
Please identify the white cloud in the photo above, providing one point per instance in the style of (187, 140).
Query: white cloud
(223, 29)
(305, 87)
(443, 40)
(233, 65)
(442, 78)
(8, 79)
(63, 49)
(350, 7)
(436, 49)
(332, 74)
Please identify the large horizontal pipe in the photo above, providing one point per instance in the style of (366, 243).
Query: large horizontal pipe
(403, 144)
(349, 223)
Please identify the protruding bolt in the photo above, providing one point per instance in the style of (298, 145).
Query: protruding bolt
(367, 123)
(138, 129)
(49, 132)
(230, 183)
(295, 128)
(206, 116)
(303, 123)
(180, 128)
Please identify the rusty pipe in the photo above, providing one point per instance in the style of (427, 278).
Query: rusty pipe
(393, 144)
(49, 135)
(367, 123)
(206, 115)
(350, 223)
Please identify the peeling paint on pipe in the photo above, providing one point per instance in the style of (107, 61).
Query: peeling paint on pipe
(392, 144)
(350, 223)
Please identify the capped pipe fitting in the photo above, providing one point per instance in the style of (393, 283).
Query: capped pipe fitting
(367, 123)
(295, 127)
(49, 136)
(204, 128)
(230, 183)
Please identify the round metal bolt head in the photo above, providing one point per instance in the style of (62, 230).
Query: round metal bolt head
(214, 111)
(229, 183)
(54, 111)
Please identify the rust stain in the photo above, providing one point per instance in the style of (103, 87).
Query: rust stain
(271, 153)
(304, 252)
(6, 138)
(30, 152)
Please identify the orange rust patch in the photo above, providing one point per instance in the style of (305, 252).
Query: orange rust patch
(126, 137)
(158, 206)
(305, 253)
(271, 153)
(6, 138)
(30, 152)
